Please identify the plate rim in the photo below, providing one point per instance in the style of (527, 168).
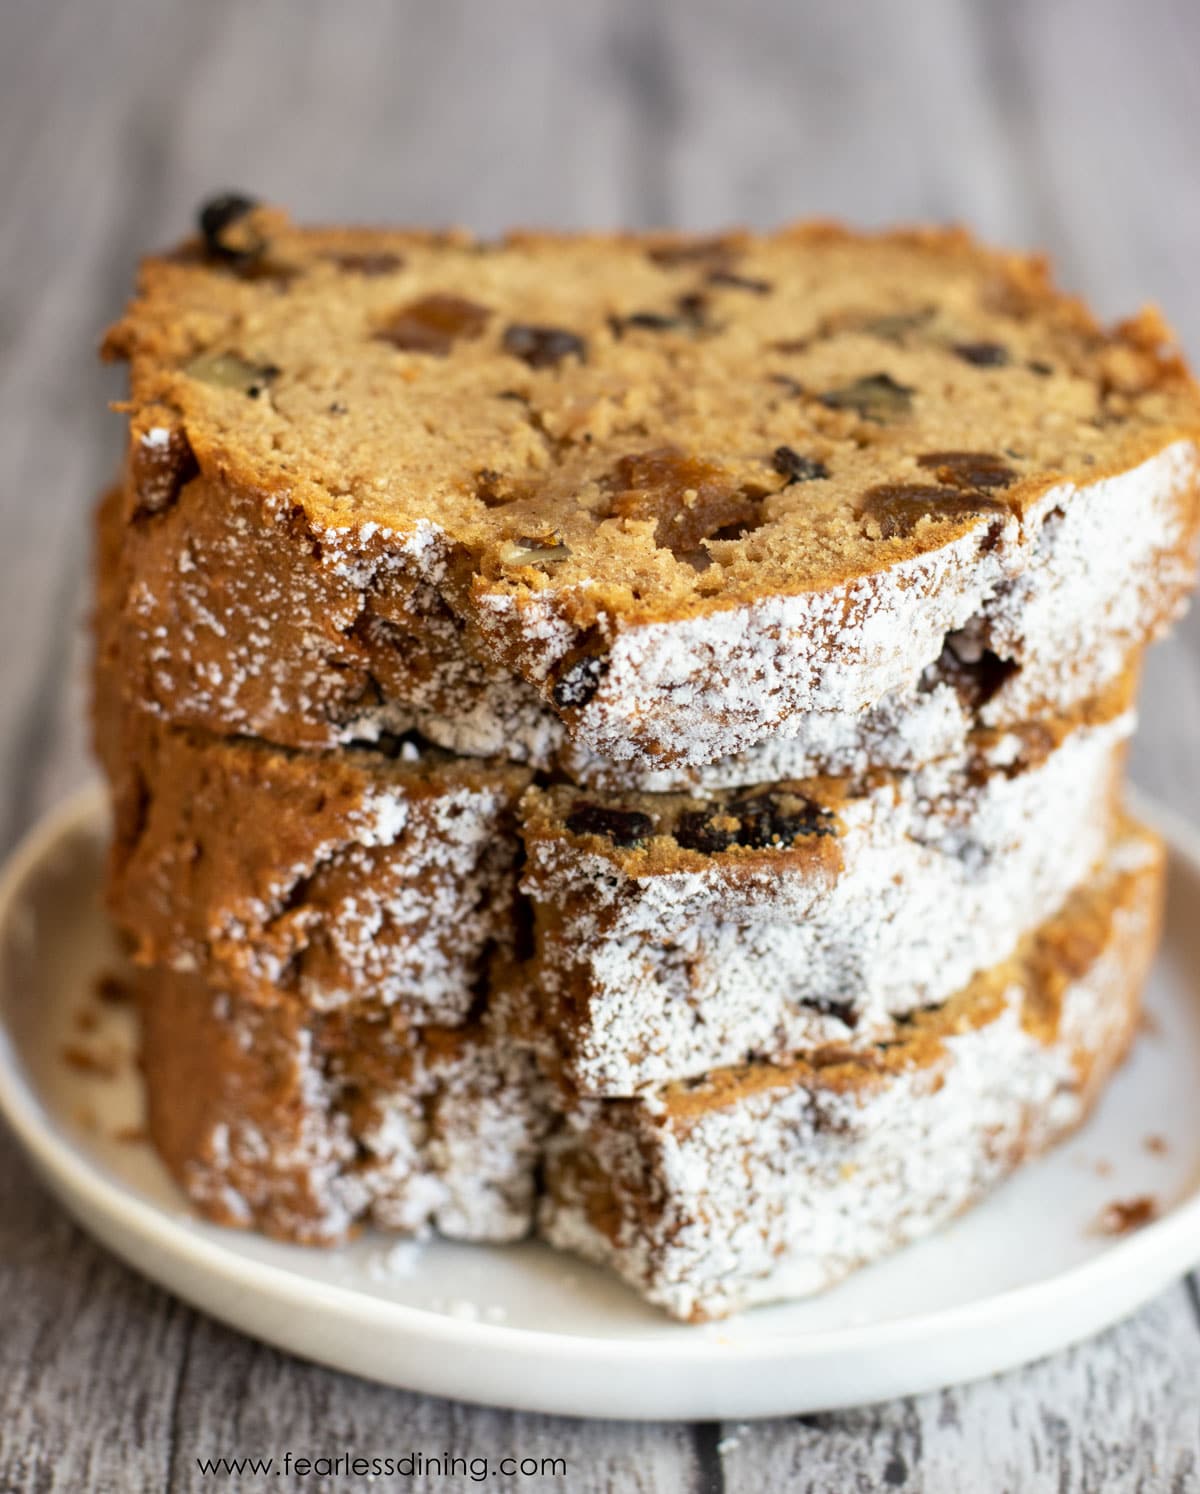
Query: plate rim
(1153, 1256)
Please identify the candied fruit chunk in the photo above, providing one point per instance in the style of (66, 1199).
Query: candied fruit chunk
(433, 324)
(624, 827)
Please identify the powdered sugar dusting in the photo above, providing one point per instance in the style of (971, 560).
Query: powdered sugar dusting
(667, 974)
(781, 1192)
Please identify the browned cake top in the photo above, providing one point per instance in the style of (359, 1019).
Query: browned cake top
(654, 425)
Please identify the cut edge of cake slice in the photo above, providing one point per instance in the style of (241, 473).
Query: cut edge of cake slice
(773, 1181)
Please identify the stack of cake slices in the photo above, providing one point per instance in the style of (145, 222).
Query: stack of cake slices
(622, 737)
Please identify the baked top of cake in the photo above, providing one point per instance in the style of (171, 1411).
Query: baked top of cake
(655, 426)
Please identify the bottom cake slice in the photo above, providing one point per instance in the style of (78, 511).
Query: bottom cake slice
(306, 1125)
(772, 1180)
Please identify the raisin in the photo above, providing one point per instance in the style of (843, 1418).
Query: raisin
(647, 321)
(968, 469)
(693, 308)
(231, 371)
(226, 234)
(699, 830)
(797, 468)
(982, 354)
(433, 324)
(688, 497)
(776, 818)
(876, 397)
(369, 263)
(898, 507)
(162, 462)
(740, 282)
(543, 347)
(579, 682)
(624, 827)
(754, 822)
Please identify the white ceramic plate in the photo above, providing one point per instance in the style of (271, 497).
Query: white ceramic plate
(1024, 1274)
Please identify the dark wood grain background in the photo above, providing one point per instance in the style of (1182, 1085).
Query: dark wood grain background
(1069, 124)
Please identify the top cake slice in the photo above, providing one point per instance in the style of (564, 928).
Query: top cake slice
(690, 489)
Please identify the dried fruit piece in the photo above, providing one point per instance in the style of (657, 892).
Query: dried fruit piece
(232, 371)
(690, 499)
(227, 234)
(968, 469)
(779, 818)
(543, 347)
(707, 831)
(876, 397)
(796, 468)
(624, 827)
(740, 282)
(757, 822)
(433, 324)
(579, 681)
(647, 321)
(982, 354)
(693, 308)
(369, 264)
(162, 461)
(898, 507)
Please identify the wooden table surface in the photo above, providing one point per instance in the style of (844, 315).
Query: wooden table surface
(1069, 124)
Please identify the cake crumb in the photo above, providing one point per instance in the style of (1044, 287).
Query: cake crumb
(103, 1065)
(397, 1261)
(455, 1307)
(111, 989)
(1123, 1216)
(1157, 1146)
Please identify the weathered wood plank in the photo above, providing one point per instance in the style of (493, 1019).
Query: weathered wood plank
(241, 1399)
(1118, 1413)
(89, 1353)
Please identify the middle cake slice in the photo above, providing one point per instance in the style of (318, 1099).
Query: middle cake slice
(672, 934)
(676, 934)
